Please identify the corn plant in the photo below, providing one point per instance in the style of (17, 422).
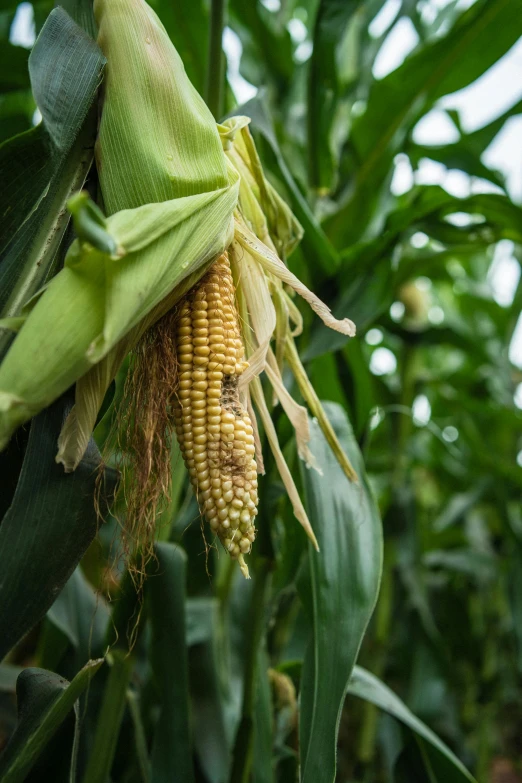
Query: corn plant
(200, 451)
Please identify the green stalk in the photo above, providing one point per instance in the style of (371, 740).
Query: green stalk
(110, 718)
(243, 746)
(216, 59)
(140, 739)
(404, 424)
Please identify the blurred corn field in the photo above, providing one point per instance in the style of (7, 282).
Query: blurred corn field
(393, 654)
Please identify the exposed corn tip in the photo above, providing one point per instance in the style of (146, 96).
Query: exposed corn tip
(214, 430)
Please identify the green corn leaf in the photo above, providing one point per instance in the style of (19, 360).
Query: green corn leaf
(331, 21)
(82, 13)
(162, 245)
(264, 37)
(207, 668)
(478, 39)
(465, 153)
(82, 616)
(41, 168)
(339, 592)
(48, 527)
(263, 740)
(109, 718)
(366, 686)
(171, 752)
(369, 281)
(44, 701)
(200, 619)
(142, 753)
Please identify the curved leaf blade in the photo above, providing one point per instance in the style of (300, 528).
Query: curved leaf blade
(82, 616)
(41, 168)
(51, 522)
(478, 39)
(366, 686)
(165, 592)
(44, 701)
(339, 591)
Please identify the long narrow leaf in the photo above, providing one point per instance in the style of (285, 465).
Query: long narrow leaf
(339, 592)
(51, 522)
(368, 687)
(44, 701)
(109, 718)
(171, 752)
(478, 39)
(41, 168)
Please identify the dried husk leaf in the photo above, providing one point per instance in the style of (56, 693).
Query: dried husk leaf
(273, 265)
(282, 467)
(272, 217)
(314, 403)
(253, 284)
(297, 414)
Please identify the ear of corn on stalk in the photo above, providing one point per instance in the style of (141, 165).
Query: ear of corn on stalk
(180, 192)
(213, 428)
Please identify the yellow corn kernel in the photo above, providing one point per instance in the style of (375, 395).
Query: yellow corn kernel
(213, 428)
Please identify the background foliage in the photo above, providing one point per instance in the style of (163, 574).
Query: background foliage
(229, 680)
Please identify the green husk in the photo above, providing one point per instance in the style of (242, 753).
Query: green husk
(171, 194)
(157, 140)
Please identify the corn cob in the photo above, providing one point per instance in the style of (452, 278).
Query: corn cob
(214, 430)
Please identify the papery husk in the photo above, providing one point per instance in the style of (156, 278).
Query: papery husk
(297, 414)
(317, 410)
(274, 266)
(92, 387)
(282, 467)
(268, 215)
